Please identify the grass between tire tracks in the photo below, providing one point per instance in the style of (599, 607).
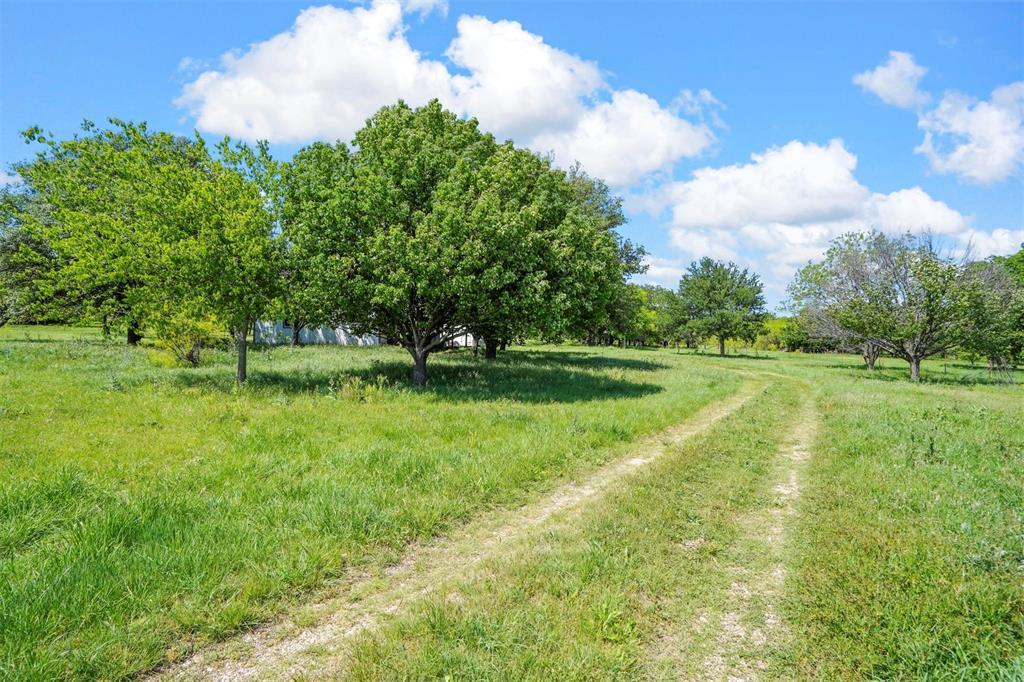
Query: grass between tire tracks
(147, 511)
(622, 591)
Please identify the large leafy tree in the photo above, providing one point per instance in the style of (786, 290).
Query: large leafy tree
(145, 223)
(111, 196)
(722, 300)
(896, 293)
(430, 229)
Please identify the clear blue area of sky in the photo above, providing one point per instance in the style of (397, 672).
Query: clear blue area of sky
(783, 71)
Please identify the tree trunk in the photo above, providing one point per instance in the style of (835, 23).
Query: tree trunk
(490, 348)
(419, 367)
(296, 331)
(242, 347)
(915, 369)
(870, 354)
(721, 346)
(134, 334)
(504, 344)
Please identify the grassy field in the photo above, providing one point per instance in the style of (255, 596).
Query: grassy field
(146, 510)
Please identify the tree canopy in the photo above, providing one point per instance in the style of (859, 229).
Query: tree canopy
(722, 300)
(138, 221)
(429, 230)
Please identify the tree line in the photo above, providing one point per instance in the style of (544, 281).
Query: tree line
(423, 229)
(900, 296)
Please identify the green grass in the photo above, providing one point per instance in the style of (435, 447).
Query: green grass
(905, 559)
(145, 510)
(28, 332)
(612, 595)
(912, 542)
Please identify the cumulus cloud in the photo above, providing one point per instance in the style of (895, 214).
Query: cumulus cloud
(335, 67)
(981, 142)
(895, 82)
(425, 7)
(795, 183)
(783, 208)
(518, 85)
(321, 79)
(607, 137)
(664, 271)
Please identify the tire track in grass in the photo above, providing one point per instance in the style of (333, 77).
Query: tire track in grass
(287, 650)
(750, 623)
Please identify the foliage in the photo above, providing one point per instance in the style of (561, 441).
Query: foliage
(430, 230)
(723, 301)
(184, 333)
(896, 294)
(139, 220)
(991, 317)
(1015, 263)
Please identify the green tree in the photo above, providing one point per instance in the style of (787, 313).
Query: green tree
(896, 294)
(108, 211)
(26, 258)
(722, 300)
(139, 221)
(228, 265)
(667, 313)
(991, 318)
(430, 230)
(1014, 263)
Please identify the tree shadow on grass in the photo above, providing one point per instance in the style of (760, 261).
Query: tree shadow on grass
(732, 356)
(452, 378)
(577, 359)
(977, 376)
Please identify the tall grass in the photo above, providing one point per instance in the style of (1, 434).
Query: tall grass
(146, 510)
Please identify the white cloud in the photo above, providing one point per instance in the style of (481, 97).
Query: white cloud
(784, 207)
(425, 7)
(982, 142)
(895, 81)
(335, 67)
(626, 138)
(795, 183)
(9, 178)
(517, 84)
(701, 104)
(664, 271)
(321, 79)
(999, 242)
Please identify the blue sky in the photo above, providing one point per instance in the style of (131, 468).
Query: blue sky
(733, 130)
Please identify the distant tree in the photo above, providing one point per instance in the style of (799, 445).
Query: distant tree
(594, 288)
(722, 300)
(1014, 263)
(666, 311)
(797, 333)
(991, 316)
(897, 294)
(25, 259)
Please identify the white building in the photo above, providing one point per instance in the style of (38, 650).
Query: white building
(279, 333)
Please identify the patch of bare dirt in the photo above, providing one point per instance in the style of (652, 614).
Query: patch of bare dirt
(750, 620)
